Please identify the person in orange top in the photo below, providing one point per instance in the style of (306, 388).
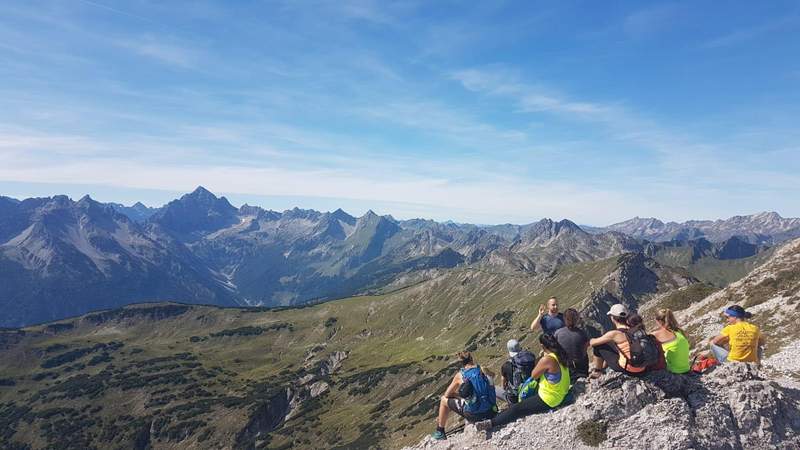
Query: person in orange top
(612, 349)
(744, 339)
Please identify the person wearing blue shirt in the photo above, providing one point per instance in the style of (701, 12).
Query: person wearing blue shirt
(551, 321)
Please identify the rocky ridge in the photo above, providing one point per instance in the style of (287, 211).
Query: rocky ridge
(765, 227)
(771, 292)
(734, 406)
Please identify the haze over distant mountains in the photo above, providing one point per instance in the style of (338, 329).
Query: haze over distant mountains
(61, 257)
(761, 228)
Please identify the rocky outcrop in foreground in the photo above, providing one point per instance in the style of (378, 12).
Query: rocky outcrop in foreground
(732, 407)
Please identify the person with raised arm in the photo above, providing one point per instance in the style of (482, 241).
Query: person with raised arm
(548, 319)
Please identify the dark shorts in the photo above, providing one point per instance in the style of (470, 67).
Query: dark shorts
(457, 405)
(610, 354)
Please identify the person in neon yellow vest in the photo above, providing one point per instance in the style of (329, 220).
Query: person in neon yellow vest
(673, 341)
(553, 386)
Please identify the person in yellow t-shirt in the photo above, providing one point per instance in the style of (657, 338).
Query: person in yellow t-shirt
(744, 339)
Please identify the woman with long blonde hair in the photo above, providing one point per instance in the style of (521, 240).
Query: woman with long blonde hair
(673, 341)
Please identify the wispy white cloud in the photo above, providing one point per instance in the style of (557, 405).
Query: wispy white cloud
(682, 158)
(651, 20)
(530, 98)
(746, 34)
(156, 48)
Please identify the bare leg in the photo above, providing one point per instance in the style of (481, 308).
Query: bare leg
(599, 363)
(443, 412)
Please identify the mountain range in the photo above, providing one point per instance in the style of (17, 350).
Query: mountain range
(61, 257)
(367, 372)
(761, 228)
(359, 360)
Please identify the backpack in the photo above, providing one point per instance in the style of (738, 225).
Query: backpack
(703, 364)
(528, 389)
(521, 367)
(644, 348)
(483, 398)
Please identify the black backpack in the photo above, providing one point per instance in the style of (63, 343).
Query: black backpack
(644, 348)
(521, 367)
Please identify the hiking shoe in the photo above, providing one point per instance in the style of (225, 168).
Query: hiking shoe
(438, 435)
(484, 425)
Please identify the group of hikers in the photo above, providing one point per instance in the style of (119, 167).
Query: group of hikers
(530, 386)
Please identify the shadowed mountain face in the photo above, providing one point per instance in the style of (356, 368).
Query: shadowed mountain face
(136, 212)
(195, 214)
(762, 228)
(62, 257)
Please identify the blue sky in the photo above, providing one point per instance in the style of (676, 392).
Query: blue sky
(482, 112)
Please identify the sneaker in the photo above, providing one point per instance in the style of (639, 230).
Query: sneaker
(438, 435)
(484, 425)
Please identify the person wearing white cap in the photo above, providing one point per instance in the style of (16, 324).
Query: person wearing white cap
(612, 349)
(516, 369)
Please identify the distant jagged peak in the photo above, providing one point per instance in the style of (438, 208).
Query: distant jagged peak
(370, 214)
(201, 192)
(86, 200)
(298, 213)
(766, 217)
(60, 201)
(202, 197)
(372, 220)
(340, 214)
(639, 222)
(249, 210)
(92, 207)
(549, 227)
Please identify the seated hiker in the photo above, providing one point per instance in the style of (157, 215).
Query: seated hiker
(516, 369)
(627, 348)
(551, 321)
(574, 341)
(471, 395)
(551, 377)
(743, 338)
(673, 342)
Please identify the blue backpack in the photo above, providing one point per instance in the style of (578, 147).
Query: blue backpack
(483, 397)
(528, 388)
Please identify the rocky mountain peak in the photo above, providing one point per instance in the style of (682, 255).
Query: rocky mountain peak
(198, 211)
(201, 193)
(248, 210)
(339, 214)
(59, 201)
(548, 229)
(369, 215)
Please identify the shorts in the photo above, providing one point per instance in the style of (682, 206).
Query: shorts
(457, 405)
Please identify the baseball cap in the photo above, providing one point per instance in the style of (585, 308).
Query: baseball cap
(618, 310)
(513, 347)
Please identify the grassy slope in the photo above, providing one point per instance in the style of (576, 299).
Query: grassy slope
(399, 345)
(710, 270)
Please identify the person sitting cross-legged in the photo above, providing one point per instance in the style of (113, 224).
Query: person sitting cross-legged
(743, 338)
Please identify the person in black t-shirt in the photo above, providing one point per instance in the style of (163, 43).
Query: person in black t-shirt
(573, 339)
